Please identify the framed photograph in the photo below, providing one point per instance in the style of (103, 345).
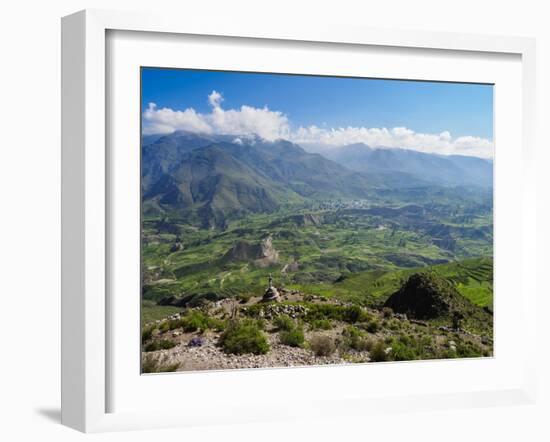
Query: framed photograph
(319, 216)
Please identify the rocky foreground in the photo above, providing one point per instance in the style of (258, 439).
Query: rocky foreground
(302, 330)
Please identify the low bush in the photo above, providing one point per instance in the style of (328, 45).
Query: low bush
(372, 326)
(283, 322)
(164, 327)
(216, 324)
(261, 323)
(161, 344)
(293, 338)
(195, 320)
(378, 352)
(394, 325)
(350, 314)
(244, 337)
(153, 365)
(466, 349)
(320, 324)
(147, 333)
(355, 339)
(322, 345)
(403, 352)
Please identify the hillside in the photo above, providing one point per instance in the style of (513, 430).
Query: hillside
(208, 181)
(376, 255)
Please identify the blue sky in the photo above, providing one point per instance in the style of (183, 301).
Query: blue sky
(465, 111)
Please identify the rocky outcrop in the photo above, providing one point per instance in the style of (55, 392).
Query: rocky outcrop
(301, 220)
(262, 254)
(428, 296)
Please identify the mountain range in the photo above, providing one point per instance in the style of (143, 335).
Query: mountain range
(450, 170)
(207, 180)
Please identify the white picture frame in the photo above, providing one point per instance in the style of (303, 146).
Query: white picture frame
(86, 206)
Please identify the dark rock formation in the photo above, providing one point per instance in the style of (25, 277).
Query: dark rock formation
(428, 296)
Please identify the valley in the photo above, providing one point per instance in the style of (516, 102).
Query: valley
(220, 218)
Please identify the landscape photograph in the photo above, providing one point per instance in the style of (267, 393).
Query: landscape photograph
(305, 220)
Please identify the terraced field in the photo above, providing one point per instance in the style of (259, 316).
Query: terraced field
(361, 253)
(472, 277)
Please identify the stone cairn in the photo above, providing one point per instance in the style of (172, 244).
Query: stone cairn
(271, 294)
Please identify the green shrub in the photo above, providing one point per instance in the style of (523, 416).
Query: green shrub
(161, 344)
(466, 349)
(355, 339)
(194, 320)
(373, 326)
(253, 310)
(403, 352)
(378, 352)
(293, 338)
(322, 345)
(244, 337)
(171, 324)
(217, 324)
(164, 327)
(284, 322)
(153, 365)
(394, 325)
(261, 323)
(320, 324)
(147, 333)
(350, 314)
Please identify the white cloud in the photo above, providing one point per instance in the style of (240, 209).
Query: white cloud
(215, 99)
(166, 120)
(272, 125)
(247, 120)
(398, 137)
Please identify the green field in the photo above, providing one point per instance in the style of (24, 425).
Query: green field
(356, 252)
(151, 312)
(472, 277)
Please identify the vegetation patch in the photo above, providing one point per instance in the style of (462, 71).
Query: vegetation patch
(293, 337)
(244, 336)
(195, 320)
(151, 364)
(356, 339)
(284, 323)
(161, 344)
(336, 312)
(322, 345)
(320, 324)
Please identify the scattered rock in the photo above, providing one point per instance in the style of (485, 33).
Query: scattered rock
(271, 311)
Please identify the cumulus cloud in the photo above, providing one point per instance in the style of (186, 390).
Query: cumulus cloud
(215, 99)
(272, 125)
(166, 120)
(398, 137)
(247, 120)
